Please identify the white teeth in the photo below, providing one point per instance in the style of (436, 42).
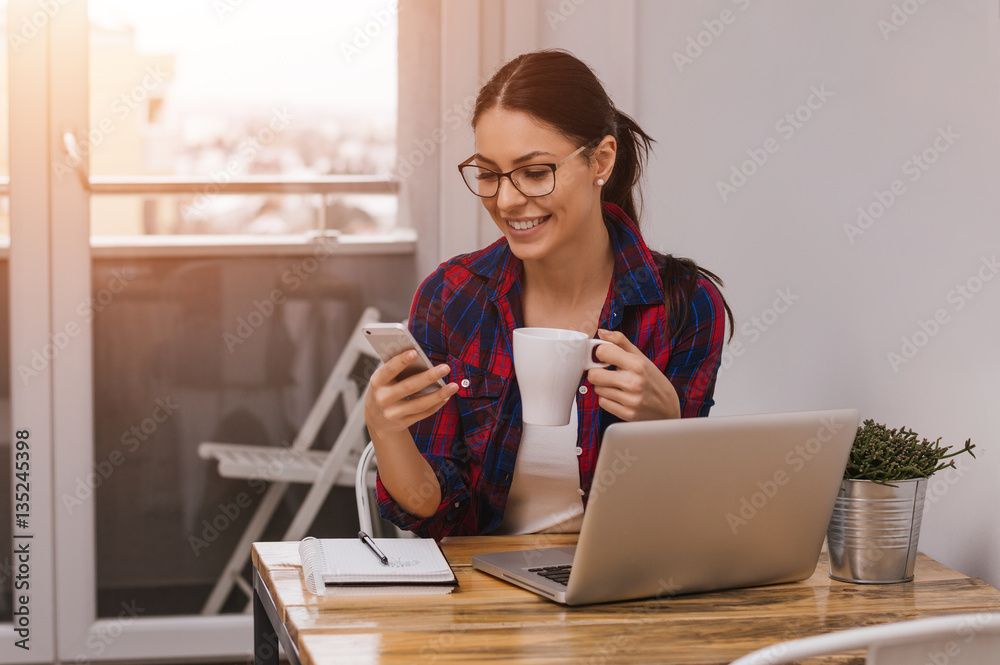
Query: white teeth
(526, 224)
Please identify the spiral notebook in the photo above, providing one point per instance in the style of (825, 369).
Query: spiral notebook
(345, 566)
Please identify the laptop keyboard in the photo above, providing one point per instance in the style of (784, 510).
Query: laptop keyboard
(558, 574)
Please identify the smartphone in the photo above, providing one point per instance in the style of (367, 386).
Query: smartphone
(391, 339)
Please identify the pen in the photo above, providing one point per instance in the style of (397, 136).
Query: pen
(367, 540)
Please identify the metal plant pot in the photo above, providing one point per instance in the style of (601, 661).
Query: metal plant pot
(874, 531)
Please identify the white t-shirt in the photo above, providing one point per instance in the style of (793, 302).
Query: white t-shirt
(544, 493)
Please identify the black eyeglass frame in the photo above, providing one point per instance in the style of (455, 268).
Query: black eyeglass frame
(501, 176)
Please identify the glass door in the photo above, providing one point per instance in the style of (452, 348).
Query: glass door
(201, 155)
(149, 213)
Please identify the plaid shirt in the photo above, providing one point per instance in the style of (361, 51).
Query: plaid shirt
(464, 314)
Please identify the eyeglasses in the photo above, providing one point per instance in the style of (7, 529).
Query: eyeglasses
(531, 180)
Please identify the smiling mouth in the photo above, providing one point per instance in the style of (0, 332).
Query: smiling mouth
(525, 224)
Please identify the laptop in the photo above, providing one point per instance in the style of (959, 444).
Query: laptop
(695, 505)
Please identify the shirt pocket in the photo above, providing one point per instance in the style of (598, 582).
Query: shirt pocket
(478, 400)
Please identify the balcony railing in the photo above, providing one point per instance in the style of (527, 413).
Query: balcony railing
(333, 184)
(398, 241)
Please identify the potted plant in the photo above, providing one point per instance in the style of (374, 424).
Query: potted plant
(875, 527)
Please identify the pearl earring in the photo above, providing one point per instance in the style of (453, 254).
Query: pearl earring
(600, 181)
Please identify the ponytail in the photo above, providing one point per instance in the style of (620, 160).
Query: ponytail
(622, 188)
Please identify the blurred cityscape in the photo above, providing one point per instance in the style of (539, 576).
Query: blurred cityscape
(141, 124)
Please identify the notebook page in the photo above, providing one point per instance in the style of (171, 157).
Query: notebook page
(411, 560)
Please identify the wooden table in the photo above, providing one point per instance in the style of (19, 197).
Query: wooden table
(489, 621)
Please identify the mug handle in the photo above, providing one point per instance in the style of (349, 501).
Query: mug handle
(590, 363)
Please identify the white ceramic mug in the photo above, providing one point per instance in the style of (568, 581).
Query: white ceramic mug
(549, 363)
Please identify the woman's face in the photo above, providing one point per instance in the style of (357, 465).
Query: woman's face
(537, 227)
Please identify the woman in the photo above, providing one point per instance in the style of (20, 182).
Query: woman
(556, 166)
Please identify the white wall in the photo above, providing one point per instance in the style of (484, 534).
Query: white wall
(889, 95)
(886, 95)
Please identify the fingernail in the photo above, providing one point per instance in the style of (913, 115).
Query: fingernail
(443, 369)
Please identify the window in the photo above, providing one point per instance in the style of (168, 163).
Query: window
(203, 117)
(189, 98)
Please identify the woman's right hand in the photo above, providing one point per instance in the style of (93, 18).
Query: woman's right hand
(392, 406)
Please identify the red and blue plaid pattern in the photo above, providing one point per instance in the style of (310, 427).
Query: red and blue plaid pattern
(464, 315)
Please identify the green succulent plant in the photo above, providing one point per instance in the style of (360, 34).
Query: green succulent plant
(884, 455)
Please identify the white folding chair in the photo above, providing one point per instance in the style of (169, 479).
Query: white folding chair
(363, 479)
(295, 464)
(962, 639)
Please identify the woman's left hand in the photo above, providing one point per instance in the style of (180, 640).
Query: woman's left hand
(637, 390)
